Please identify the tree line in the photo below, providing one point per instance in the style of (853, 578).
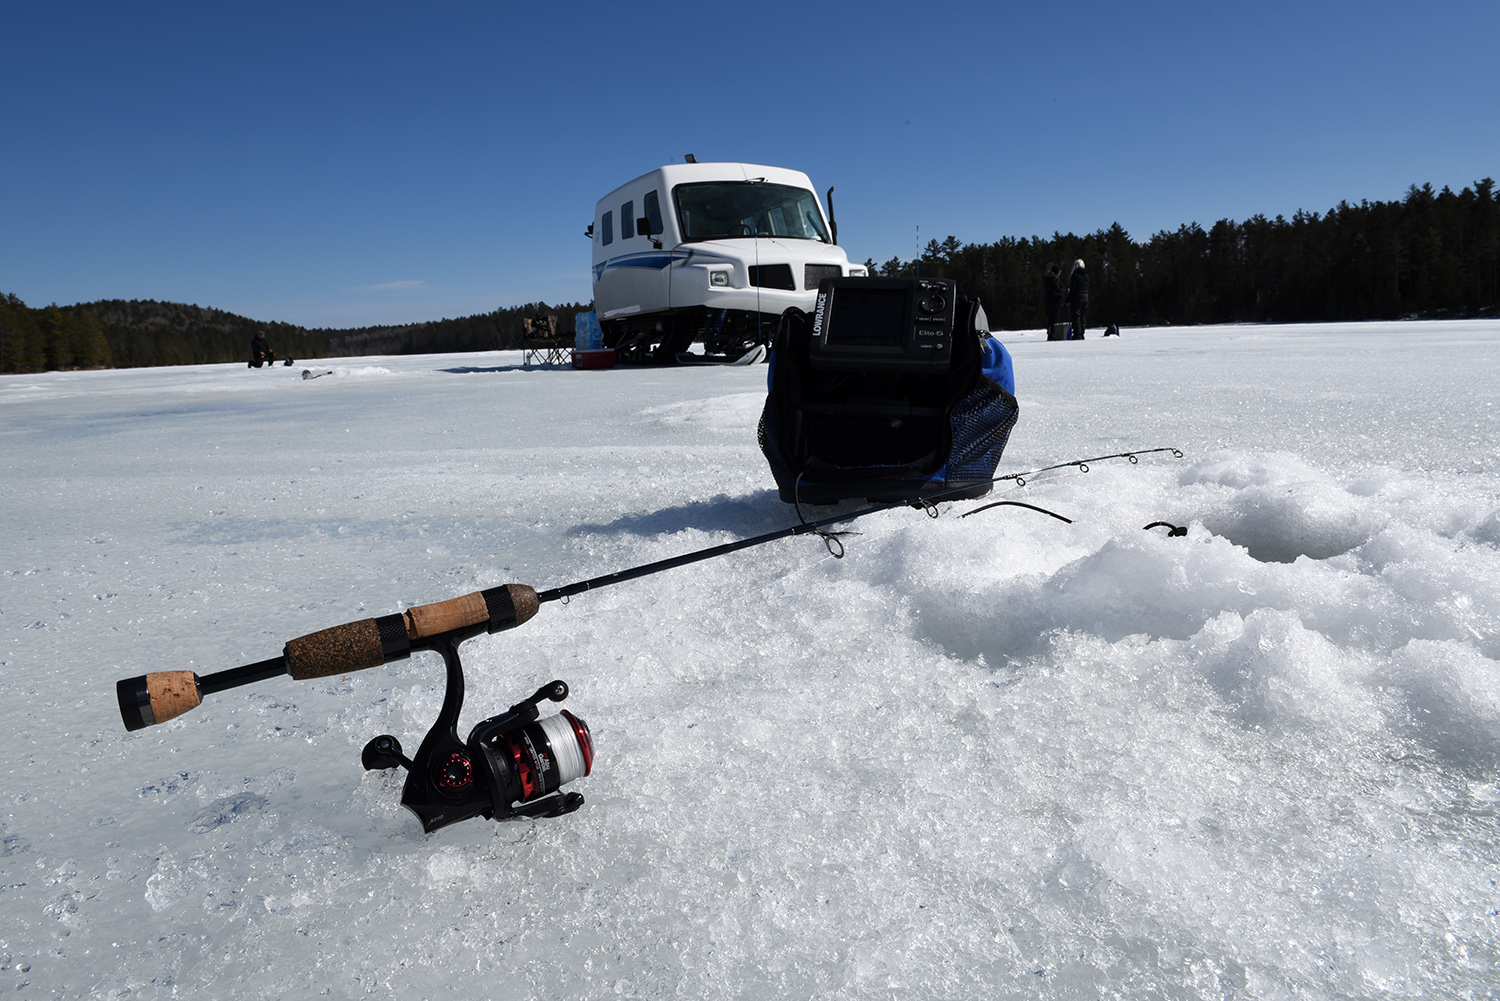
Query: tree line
(142, 333)
(1432, 254)
(502, 329)
(33, 340)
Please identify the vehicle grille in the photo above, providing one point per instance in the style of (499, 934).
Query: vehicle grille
(772, 276)
(814, 273)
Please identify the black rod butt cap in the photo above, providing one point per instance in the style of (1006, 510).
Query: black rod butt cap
(135, 703)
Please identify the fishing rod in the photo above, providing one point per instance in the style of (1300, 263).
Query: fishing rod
(1082, 465)
(513, 764)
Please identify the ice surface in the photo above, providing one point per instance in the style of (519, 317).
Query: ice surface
(990, 757)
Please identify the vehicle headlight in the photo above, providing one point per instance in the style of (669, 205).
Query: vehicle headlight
(719, 278)
(859, 273)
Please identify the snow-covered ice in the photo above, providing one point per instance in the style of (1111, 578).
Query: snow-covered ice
(992, 757)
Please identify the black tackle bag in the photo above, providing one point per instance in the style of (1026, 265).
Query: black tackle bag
(883, 434)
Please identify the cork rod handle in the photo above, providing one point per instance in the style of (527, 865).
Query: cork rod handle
(157, 697)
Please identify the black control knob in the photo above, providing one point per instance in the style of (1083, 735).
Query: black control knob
(933, 303)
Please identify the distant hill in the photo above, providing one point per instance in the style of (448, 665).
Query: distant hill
(144, 332)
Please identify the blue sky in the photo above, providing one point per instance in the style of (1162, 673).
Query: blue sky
(347, 164)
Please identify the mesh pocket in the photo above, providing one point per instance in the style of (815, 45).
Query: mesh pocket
(981, 423)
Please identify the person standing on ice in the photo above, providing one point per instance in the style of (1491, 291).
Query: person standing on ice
(1052, 295)
(1078, 299)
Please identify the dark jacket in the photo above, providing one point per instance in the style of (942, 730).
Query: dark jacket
(1052, 293)
(1078, 286)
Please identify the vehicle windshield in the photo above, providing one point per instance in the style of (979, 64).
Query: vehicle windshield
(721, 210)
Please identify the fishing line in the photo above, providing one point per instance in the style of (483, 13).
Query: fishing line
(830, 539)
(1032, 507)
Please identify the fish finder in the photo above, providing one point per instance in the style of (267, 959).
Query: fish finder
(883, 324)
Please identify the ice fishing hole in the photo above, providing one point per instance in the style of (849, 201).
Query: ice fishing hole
(1279, 533)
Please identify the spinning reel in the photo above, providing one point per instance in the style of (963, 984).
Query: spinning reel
(512, 765)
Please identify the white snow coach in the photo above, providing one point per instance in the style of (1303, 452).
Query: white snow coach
(710, 252)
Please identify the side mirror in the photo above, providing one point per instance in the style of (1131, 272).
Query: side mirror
(643, 228)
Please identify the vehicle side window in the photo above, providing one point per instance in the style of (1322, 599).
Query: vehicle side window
(652, 208)
(627, 220)
(607, 224)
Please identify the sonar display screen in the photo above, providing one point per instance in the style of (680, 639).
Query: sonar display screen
(873, 317)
